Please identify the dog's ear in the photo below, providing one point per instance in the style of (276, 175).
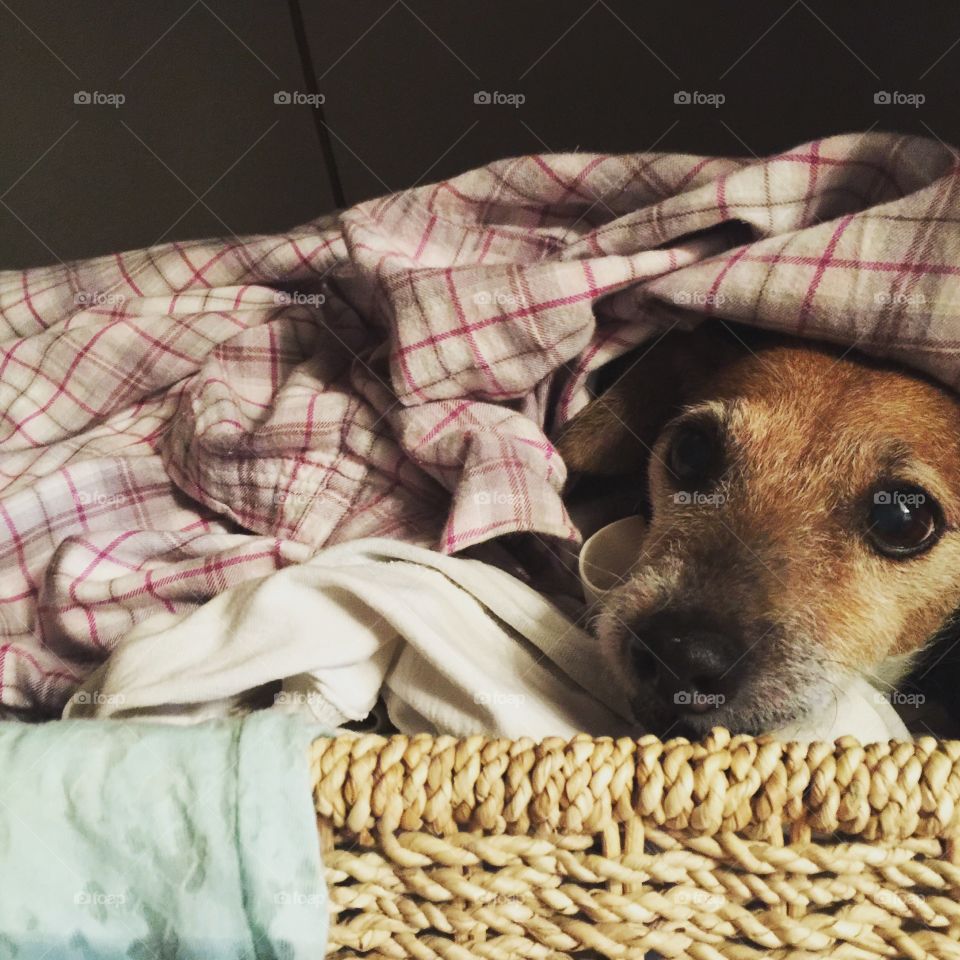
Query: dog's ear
(613, 434)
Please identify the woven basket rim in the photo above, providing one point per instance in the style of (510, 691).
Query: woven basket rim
(755, 786)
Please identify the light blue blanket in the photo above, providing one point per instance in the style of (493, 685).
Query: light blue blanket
(145, 841)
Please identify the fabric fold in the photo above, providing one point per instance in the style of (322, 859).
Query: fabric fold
(461, 645)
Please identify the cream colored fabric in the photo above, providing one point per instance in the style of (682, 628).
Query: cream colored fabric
(456, 646)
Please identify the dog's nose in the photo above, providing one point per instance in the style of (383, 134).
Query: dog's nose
(695, 669)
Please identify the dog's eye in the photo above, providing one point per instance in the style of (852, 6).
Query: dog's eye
(903, 521)
(693, 455)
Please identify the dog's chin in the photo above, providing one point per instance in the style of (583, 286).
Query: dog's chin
(753, 712)
(666, 723)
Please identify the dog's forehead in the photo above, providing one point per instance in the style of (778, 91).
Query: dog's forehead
(811, 400)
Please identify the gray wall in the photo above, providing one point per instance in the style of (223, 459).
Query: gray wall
(200, 147)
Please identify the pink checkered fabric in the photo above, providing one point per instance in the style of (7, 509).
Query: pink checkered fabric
(178, 419)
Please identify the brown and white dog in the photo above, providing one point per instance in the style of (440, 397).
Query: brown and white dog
(804, 523)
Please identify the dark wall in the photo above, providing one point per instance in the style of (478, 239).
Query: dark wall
(200, 145)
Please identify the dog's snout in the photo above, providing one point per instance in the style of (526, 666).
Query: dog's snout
(695, 668)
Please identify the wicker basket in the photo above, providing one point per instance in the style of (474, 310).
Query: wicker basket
(733, 847)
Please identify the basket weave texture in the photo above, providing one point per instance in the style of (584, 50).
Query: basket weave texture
(437, 847)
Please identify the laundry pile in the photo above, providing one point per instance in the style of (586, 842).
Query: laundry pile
(183, 425)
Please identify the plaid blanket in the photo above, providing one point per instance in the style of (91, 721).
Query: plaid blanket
(178, 419)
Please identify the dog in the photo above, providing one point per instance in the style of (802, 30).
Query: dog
(803, 504)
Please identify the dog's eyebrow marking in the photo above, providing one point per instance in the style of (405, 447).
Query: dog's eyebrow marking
(896, 455)
(899, 464)
(708, 409)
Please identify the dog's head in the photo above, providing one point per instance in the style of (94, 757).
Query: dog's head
(803, 508)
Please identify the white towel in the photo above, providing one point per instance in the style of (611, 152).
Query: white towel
(457, 646)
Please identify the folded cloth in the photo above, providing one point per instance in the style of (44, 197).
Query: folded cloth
(122, 840)
(181, 419)
(859, 710)
(458, 647)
